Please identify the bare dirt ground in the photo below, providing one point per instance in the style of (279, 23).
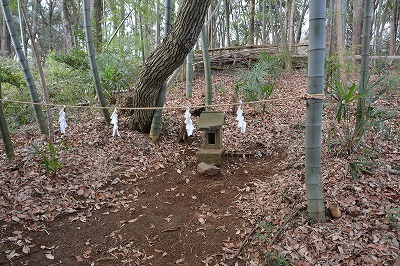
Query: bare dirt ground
(130, 201)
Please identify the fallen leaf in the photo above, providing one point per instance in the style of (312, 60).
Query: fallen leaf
(179, 261)
(49, 256)
(26, 249)
(12, 254)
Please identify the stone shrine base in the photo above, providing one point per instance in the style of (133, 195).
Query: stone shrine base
(209, 156)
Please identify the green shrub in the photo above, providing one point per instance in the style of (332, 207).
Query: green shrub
(258, 82)
(48, 155)
(14, 88)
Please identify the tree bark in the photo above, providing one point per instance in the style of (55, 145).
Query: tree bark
(227, 23)
(393, 29)
(97, 18)
(364, 77)
(340, 38)
(5, 133)
(250, 40)
(316, 59)
(67, 26)
(357, 27)
(5, 40)
(169, 55)
(301, 20)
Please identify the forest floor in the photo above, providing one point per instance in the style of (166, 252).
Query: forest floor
(130, 201)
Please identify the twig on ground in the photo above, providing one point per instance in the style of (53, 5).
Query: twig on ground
(247, 240)
(280, 230)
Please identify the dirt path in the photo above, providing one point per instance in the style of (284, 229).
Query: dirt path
(165, 218)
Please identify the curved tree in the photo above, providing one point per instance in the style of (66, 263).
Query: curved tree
(169, 55)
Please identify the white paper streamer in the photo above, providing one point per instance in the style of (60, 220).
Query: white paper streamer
(240, 119)
(114, 121)
(62, 120)
(188, 122)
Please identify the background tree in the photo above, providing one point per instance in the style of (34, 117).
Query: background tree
(364, 77)
(357, 28)
(70, 40)
(96, 7)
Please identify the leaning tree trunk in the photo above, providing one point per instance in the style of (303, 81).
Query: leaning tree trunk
(169, 55)
(5, 134)
(316, 59)
(92, 59)
(25, 68)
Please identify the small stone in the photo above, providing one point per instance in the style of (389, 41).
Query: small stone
(207, 169)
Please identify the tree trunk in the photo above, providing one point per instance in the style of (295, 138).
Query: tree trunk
(264, 22)
(250, 40)
(393, 29)
(168, 56)
(158, 23)
(51, 11)
(210, 26)
(227, 24)
(5, 134)
(272, 22)
(207, 69)
(378, 19)
(22, 28)
(357, 28)
(316, 60)
(5, 40)
(189, 75)
(291, 25)
(300, 25)
(97, 19)
(364, 77)
(141, 32)
(92, 60)
(340, 38)
(67, 26)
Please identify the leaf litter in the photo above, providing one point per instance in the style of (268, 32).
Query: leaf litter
(159, 211)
